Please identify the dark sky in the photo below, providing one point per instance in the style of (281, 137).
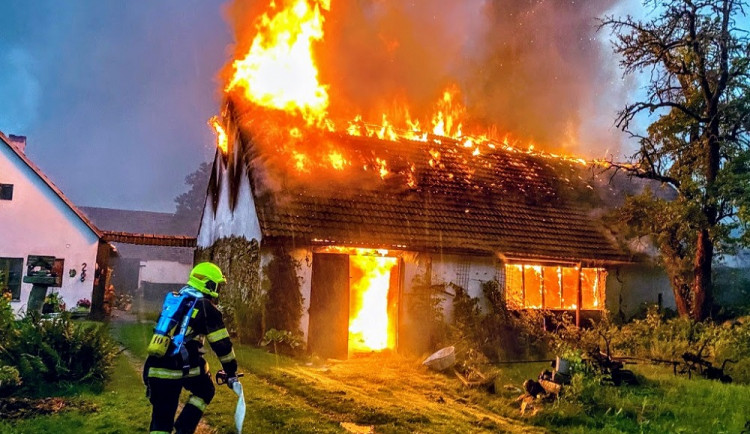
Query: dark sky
(113, 96)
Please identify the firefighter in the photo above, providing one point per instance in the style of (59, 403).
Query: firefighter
(166, 376)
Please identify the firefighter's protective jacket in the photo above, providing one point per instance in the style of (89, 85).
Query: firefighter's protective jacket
(205, 323)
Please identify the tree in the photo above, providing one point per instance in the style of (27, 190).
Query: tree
(190, 204)
(698, 143)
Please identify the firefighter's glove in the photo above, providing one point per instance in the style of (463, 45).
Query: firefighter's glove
(231, 381)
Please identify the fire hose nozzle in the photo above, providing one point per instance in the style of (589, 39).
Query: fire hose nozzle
(222, 377)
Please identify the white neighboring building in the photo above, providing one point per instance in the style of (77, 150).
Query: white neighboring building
(37, 219)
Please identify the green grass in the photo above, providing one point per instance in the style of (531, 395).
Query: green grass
(134, 337)
(662, 403)
(121, 408)
(397, 395)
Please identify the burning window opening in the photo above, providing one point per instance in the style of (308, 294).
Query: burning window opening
(554, 287)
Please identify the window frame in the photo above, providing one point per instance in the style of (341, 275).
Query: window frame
(516, 288)
(6, 191)
(14, 290)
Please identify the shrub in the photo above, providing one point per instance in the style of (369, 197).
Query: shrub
(283, 340)
(498, 334)
(424, 328)
(510, 335)
(50, 352)
(657, 338)
(283, 305)
(733, 342)
(10, 379)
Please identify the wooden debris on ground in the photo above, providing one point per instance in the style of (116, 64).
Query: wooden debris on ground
(485, 382)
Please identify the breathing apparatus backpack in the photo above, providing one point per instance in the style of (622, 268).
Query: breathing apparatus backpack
(171, 328)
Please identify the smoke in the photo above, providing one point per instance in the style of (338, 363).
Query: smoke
(535, 69)
(544, 72)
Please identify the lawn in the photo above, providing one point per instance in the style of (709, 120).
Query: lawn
(393, 394)
(120, 408)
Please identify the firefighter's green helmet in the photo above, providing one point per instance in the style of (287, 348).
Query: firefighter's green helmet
(206, 277)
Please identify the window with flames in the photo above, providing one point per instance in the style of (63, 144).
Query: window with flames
(554, 287)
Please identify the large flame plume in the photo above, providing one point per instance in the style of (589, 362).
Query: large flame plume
(376, 68)
(279, 70)
(370, 322)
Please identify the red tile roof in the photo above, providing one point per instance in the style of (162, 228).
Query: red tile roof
(504, 202)
(149, 239)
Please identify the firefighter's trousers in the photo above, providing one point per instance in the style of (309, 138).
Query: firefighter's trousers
(165, 396)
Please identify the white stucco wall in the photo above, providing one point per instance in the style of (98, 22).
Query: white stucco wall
(468, 272)
(445, 270)
(38, 222)
(163, 272)
(243, 221)
(629, 286)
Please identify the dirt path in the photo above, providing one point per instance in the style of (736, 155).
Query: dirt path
(137, 365)
(119, 316)
(369, 394)
(392, 389)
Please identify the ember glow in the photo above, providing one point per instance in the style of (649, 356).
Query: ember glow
(279, 70)
(371, 324)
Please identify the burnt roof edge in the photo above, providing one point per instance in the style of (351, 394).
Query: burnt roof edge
(301, 241)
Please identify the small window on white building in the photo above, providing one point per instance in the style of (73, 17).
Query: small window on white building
(6, 191)
(11, 271)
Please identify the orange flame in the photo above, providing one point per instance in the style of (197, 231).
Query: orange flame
(222, 141)
(337, 160)
(368, 308)
(300, 162)
(446, 121)
(279, 70)
(383, 168)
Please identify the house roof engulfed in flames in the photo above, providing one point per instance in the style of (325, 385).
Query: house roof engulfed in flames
(433, 195)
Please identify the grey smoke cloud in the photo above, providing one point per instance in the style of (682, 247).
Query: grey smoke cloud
(535, 68)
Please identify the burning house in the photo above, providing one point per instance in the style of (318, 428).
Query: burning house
(372, 213)
(366, 234)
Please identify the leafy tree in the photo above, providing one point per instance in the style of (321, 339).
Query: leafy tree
(190, 204)
(698, 143)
